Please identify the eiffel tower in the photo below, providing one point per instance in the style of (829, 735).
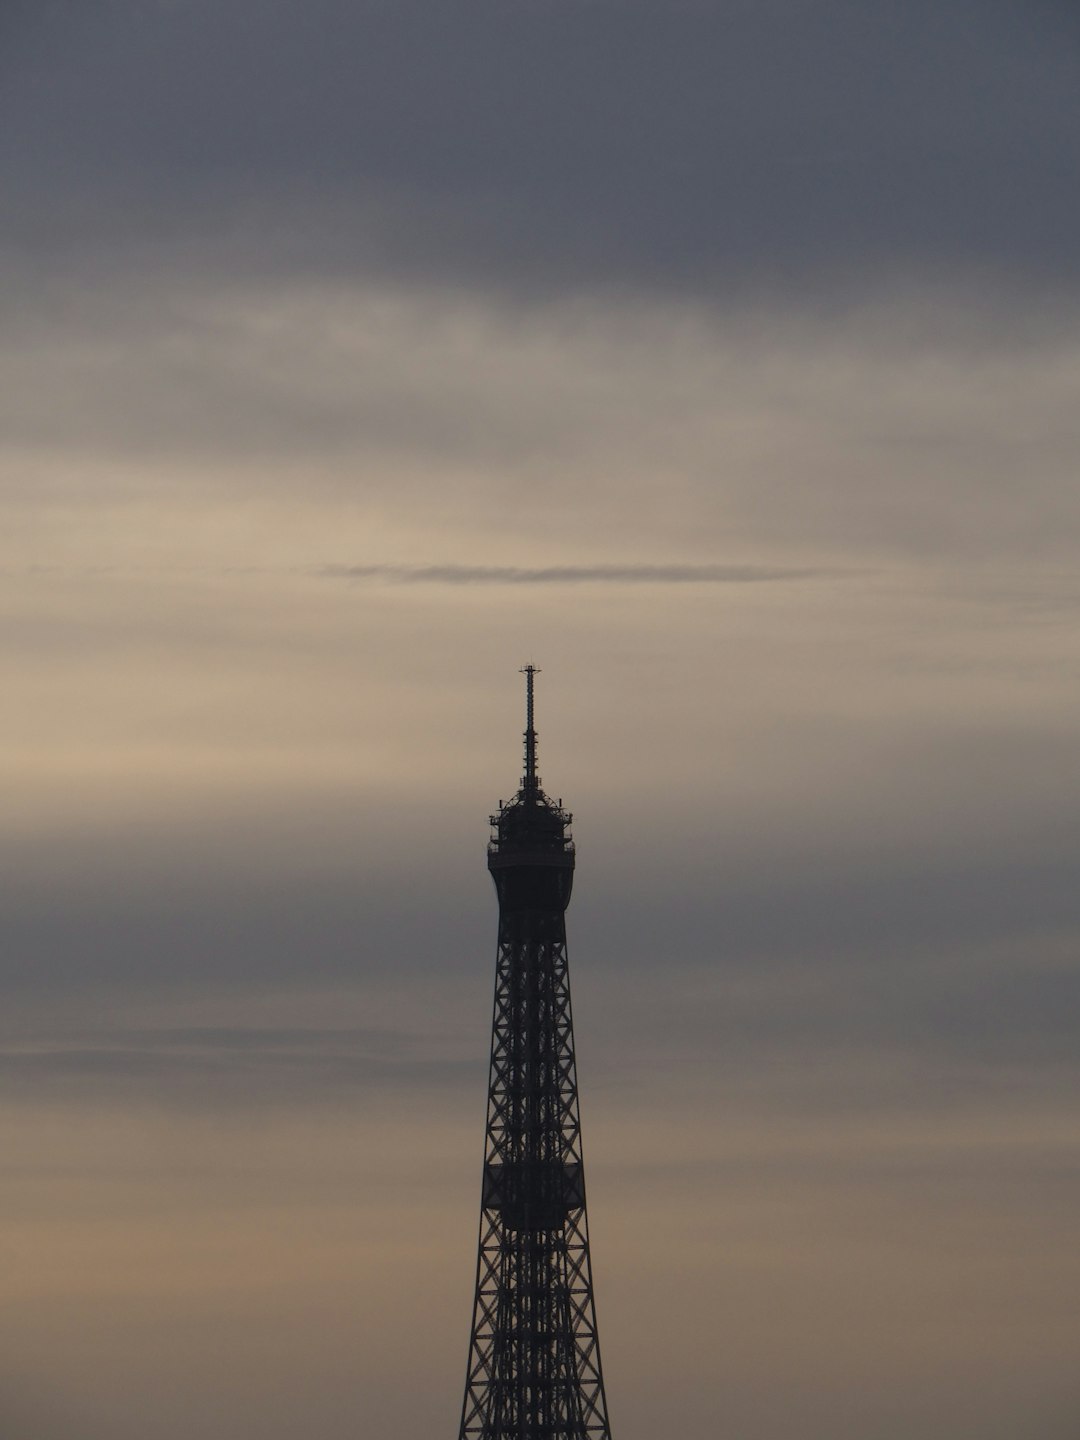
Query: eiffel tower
(534, 1357)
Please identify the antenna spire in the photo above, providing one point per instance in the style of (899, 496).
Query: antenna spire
(531, 780)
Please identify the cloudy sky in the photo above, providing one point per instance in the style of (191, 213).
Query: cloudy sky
(722, 359)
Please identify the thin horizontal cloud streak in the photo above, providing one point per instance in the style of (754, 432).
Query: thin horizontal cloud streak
(675, 574)
(244, 1067)
(574, 574)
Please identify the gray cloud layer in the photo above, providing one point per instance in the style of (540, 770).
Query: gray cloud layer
(685, 144)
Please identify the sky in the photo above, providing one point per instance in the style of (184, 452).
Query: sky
(722, 360)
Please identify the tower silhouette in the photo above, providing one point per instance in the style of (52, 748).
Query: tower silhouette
(534, 1358)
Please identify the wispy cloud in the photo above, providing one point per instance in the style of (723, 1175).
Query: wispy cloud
(249, 1065)
(573, 574)
(457, 574)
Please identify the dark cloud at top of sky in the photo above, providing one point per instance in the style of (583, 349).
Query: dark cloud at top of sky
(639, 142)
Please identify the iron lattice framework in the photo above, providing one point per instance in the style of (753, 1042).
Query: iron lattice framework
(534, 1358)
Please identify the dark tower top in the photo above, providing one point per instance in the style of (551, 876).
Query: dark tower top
(534, 1356)
(531, 854)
